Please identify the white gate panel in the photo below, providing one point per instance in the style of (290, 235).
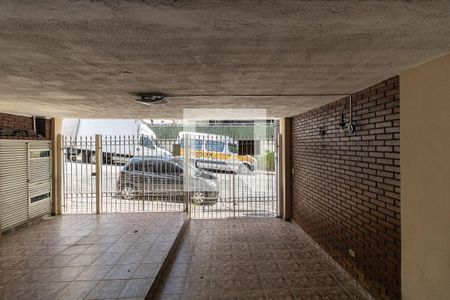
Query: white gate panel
(25, 181)
(13, 183)
(40, 178)
(40, 199)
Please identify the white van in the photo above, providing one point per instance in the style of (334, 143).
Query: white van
(142, 140)
(216, 152)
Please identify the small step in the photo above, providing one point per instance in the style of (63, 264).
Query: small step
(165, 266)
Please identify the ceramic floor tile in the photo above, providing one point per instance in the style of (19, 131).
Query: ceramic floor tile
(132, 257)
(66, 274)
(108, 239)
(245, 267)
(146, 271)
(298, 280)
(15, 291)
(69, 256)
(43, 275)
(273, 282)
(174, 286)
(157, 257)
(108, 259)
(180, 269)
(251, 295)
(60, 261)
(335, 293)
(223, 296)
(119, 247)
(307, 294)
(84, 260)
(199, 284)
(75, 249)
(136, 288)
(170, 297)
(107, 289)
(76, 290)
(45, 291)
(121, 271)
(217, 269)
(264, 267)
(222, 285)
(190, 296)
(280, 294)
(248, 283)
(97, 248)
(88, 240)
(94, 273)
(270, 259)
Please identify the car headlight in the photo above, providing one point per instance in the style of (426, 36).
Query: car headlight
(211, 182)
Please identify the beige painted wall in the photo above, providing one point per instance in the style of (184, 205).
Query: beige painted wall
(425, 180)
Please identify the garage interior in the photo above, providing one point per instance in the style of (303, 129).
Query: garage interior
(356, 222)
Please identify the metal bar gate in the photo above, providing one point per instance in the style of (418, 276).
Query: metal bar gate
(212, 175)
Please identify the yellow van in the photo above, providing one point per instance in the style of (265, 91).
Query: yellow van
(216, 152)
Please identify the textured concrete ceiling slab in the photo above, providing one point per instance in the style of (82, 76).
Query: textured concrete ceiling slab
(78, 59)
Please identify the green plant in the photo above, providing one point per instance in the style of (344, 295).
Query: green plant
(266, 161)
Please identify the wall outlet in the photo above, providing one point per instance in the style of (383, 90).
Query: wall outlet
(352, 253)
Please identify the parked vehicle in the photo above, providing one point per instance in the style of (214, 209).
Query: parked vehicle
(217, 152)
(164, 178)
(142, 140)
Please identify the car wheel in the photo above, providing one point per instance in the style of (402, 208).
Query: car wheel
(198, 198)
(127, 193)
(244, 169)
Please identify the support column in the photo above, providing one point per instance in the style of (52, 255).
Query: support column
(285, 169)
(57, 166)
(186, 176)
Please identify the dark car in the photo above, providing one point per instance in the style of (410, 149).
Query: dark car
(164, 178)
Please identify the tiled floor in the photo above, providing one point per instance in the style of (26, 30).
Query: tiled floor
(253, 259)
(86, 256)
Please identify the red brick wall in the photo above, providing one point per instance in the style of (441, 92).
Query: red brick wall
(346, 187)
(23, 127)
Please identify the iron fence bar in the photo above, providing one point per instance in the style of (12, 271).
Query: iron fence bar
(98, 173)
(60, 174)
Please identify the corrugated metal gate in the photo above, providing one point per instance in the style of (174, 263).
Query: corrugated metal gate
(141, 173)
(25, 181)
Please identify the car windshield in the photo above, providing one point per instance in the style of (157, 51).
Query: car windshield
(195, 144)
(215, 146)
(193, 170)
(233, 148)
(150, 143)
(156, 167)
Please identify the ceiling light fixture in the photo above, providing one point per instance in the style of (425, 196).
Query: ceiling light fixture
(149, 99)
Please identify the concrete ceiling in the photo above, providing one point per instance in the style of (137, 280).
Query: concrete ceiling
(88, 59)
